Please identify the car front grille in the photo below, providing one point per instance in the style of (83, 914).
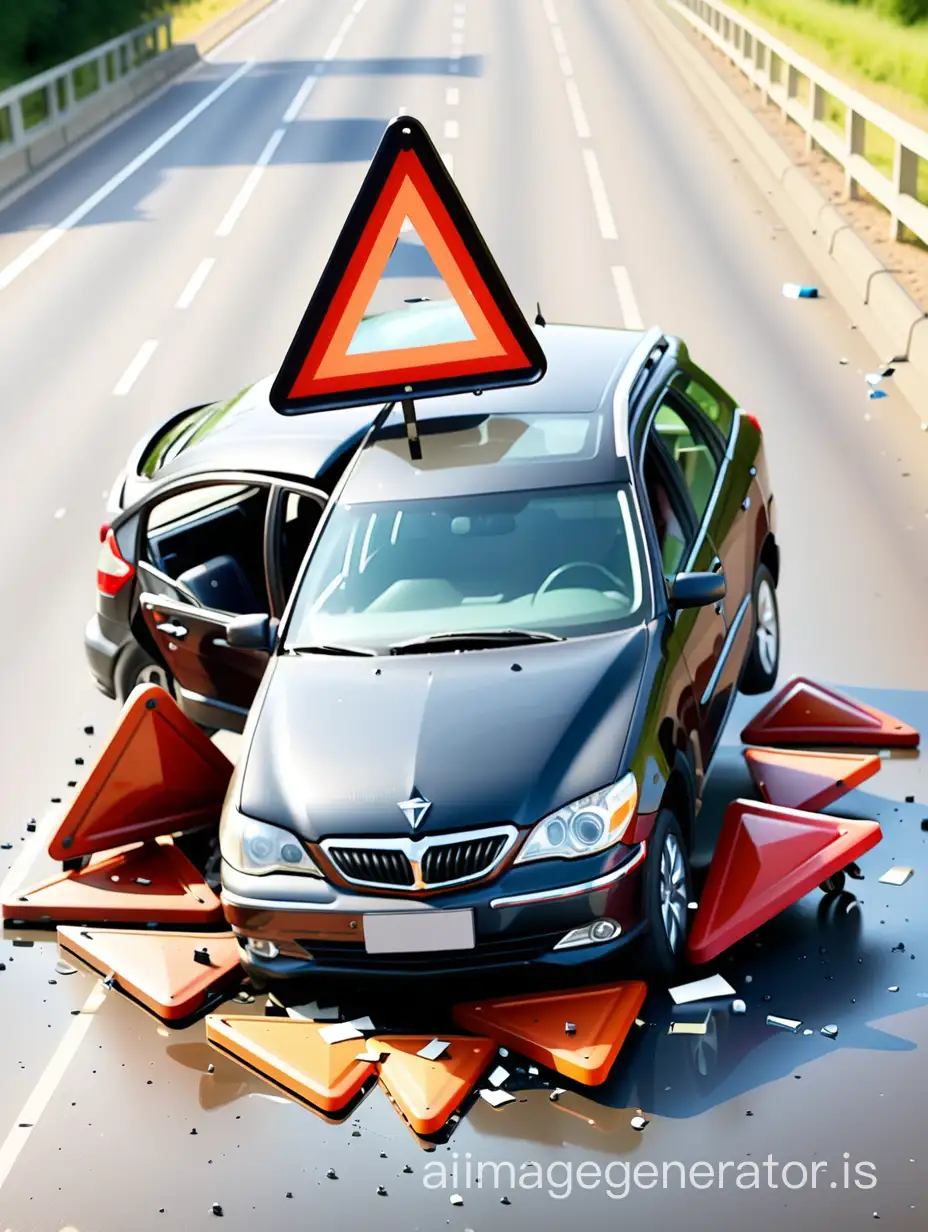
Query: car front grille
(353, 957)
(373, 865)
(421, 864)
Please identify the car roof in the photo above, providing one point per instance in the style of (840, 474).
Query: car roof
(246, 433)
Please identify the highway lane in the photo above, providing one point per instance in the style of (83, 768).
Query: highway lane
(580, 153)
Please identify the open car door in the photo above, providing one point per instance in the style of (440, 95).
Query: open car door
(216, 682)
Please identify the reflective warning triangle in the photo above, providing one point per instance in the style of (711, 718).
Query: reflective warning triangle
(804, 712)
(292, 1055)
(428, 1092)
(767, 858)
(801, 779)
(153, 883)
(175, 975)
(158, 773)
(339, 358)
(537, 1026)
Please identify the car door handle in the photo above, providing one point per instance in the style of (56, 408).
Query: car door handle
(176, 631)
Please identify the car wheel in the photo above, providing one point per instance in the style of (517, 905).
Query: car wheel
(762, 665)
(138, 667)
(666, 897)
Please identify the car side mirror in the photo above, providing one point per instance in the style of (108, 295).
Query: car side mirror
(696, 590)
(257, 631)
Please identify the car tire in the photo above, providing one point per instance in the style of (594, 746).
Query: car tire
(763, 662)
(135, 667)
(666, 894)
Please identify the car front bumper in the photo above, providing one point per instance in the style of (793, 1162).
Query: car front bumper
(514, 925)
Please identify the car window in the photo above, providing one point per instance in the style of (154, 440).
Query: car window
(691, 450)
(720, 412)
(564, 561)
(211, 539)
(671, 517)
(299, 518)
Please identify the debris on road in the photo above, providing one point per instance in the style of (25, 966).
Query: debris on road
(702, 990)
(313, 1012)
(496, 1098)
(893, 988)
(639, 1123)
(63, 968)
(457, 1200)
(433, 1050)
(784, 1024)
(738, 1006)
(570, 1028)
(793, 290)
(898, 875)
(830, 1031)
(339, 1032)
(498, 1077)
(556, 1094)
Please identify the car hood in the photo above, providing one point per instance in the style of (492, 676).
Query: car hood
(486, 736)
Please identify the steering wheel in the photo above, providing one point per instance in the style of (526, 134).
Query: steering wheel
(579, 564)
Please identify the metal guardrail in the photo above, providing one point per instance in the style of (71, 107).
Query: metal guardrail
(778, 72)
(33, 106)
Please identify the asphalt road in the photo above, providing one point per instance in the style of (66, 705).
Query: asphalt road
(581, 153)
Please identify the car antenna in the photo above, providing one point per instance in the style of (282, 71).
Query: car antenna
(412, 429)
(539, 319)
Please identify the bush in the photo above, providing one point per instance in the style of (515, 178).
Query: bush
(906, 12)
(37, 34)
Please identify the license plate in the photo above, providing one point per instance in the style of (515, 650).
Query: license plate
(418, 932)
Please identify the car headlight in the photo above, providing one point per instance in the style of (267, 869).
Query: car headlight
(585, 826)
(256, 847)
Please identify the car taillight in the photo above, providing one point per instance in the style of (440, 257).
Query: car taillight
(112, 571)
(104, 531)
(754, 420)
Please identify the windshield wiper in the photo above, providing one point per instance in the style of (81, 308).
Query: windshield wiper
(332, 649)
(474, 639)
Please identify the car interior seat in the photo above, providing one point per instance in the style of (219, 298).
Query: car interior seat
(699, 470)
(221, 584)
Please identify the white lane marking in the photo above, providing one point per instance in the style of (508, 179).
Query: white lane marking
(631, 315)
(460, 8)
(251, 183)
(567, 67)
(134, 371)
(358, 6)
(200, 275)
(600, 198)
(557, 37)
(452, 130)
(50, 237)
(452, 96)
(448, 160)
(45, 1088)
(346, 25)
(457, 38)
(332, 50)
(59, 513)
(457, 23)
(576, 107)
(299, 99)
(550, 12)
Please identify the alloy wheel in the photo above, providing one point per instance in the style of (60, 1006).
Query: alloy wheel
(673, 889)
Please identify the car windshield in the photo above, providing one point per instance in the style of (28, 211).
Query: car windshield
(557, 562)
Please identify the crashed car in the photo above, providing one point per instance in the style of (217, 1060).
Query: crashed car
(502, 674)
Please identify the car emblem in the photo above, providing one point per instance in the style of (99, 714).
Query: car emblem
(415, 809)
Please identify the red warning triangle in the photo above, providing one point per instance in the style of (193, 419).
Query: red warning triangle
(537, 1026)
(175, 975)
(804, 712)
(767, 858)
(293, 1056)
(801, 779)
(157, 774)
(340, 358)
(428, 1092)
(153, 883)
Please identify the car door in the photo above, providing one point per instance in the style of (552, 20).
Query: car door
(203, 558)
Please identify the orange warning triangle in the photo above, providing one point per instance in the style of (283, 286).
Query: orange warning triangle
(158, 773)
(476, 340)
(428, 1092)
(291, 1054)
(152, 883)
(537, 1025)
(804, 712)
(801, 779)
(175, 975)
(767, 858)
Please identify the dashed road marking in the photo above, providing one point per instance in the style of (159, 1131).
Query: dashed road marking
(251, 183)
(452, 96)
(631, 315)
(200, 275)
(600, 197)
(134, 371)
(452, 130)
(448, 160)
(299, 99)
(576, 106)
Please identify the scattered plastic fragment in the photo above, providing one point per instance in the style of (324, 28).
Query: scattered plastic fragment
(533, 1071)
(570, 1028)
(701, 990)
(784, 1024)
(432, 1051)
(496, 1098)
(211, 1068)
(793, 290)
(898, 875)
(873, 394)
(339, 1032)
(202, 957)
(313, 1012)
(457, 1200)
(893, 988)
(498, 1077)
(381, 1191)
(373, 1056)
(362, 1024)
(556, 1094)
(639, 1123)
(830, 1031)
(738, 1006)
(331, 1174)
(216, 1209)
(63, 968)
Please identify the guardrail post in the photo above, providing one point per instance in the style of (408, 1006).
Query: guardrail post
(17, 127)
(816, 112)
(855, 131)
(792, 87)
(905, 182)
